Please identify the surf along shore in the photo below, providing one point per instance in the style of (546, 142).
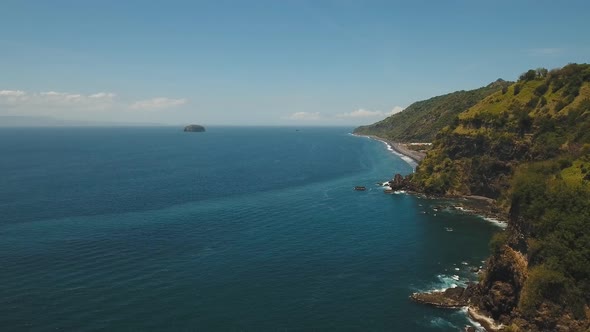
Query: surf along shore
(400, 148)
(459, 297)
(484, 207)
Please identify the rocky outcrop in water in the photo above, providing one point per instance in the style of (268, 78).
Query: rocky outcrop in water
(400, 182)
(450, 298)
(458, 297)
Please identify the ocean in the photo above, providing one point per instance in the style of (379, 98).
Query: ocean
(234, 229)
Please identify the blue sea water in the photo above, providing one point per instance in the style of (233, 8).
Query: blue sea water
(235, 229)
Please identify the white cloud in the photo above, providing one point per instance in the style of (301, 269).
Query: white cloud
(306, 116)
(56, 101)
(103, 95)
(64, 98)
(48, 99)
(362, 113)
(395, 109)
(12, 97)
(157, 103)
(12, 93)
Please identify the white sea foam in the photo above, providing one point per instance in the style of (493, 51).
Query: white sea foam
(473, 323)
(399, 192)
(462, 209)
(405, 158)
(497, 222)
(445, 282)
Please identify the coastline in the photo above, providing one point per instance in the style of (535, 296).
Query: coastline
(488, 323)
(481, 206)
(475, 205)
(400, 148)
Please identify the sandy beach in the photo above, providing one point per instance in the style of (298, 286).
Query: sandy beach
(400, 148)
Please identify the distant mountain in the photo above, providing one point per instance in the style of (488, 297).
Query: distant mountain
(423, 119)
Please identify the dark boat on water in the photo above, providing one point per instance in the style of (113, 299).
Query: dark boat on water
(360, 188)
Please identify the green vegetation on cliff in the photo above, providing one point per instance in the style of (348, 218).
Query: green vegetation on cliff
(422, 120)
(549, 117)
(527, 145)
(553, 214)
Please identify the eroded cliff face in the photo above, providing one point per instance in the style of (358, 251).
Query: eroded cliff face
(499, 290)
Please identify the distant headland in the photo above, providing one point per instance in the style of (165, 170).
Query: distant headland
(194, 128)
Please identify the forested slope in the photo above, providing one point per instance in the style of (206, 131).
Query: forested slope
(421, 121)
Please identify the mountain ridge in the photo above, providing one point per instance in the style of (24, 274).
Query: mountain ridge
(420, 121)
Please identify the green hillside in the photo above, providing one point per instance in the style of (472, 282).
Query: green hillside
(422, 120)
(529, 147)
(536, 119)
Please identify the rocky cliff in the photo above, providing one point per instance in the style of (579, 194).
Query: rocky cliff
(528, 147)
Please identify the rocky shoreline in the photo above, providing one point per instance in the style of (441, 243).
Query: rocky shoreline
(456, 298)
(450, 298)
(473, 295)
(469, 204)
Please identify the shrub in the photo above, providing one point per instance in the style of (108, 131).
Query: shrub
(541, 89)
(569, 99)
(516, 89)
(557, 84)
(524, 121)
(533, 102)
(564, 163)
(498, 241)
(542, 283)
(542, 101)
(559, 105)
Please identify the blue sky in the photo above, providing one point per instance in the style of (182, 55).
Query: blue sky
(269, 62)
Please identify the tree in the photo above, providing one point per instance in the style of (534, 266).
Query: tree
(541, 89)
(542, 72)
(524, 122)
(530, 75)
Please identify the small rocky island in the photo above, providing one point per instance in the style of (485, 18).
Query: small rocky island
(194, 128)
